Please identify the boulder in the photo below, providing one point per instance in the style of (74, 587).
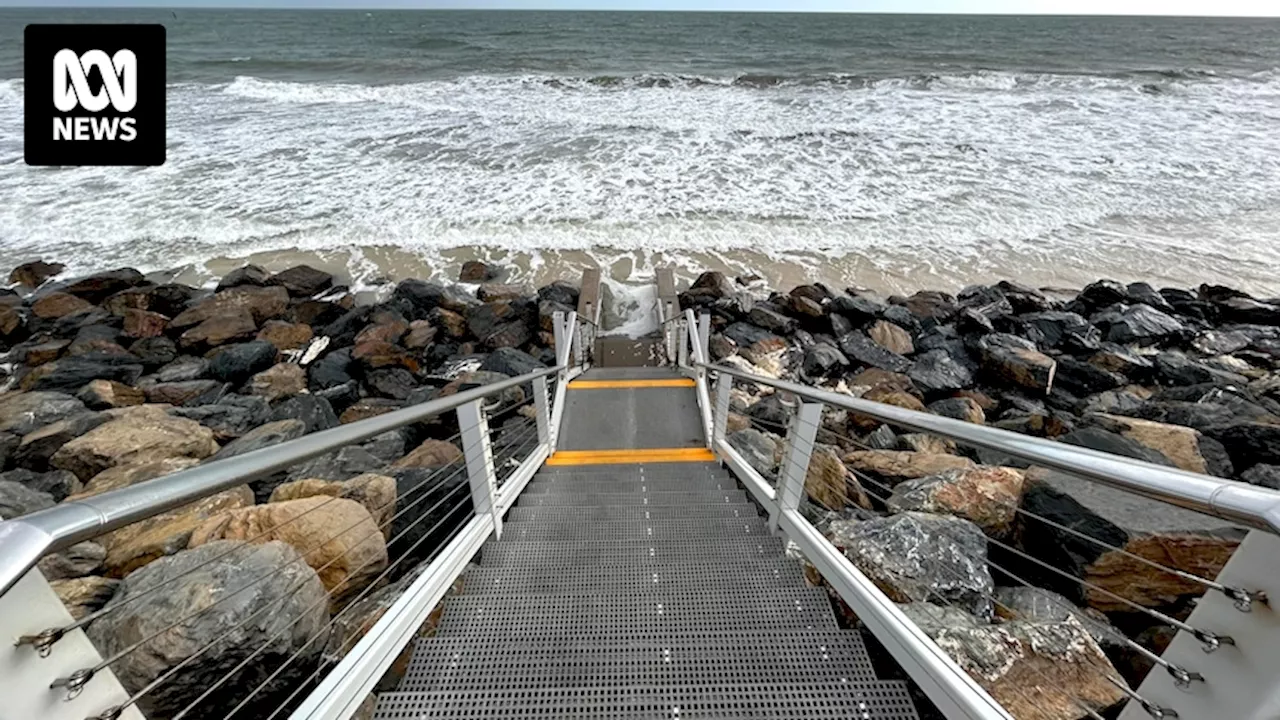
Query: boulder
(435, 515)
(84, 595)
(244, 275)
(377, 493)
(860, 349)
(1162, 534)
(391, 382)
(17, 499)
(883, 394)
(1009, 358)
(368, 408)
(1053, 328)
(1139, 325)
(101, 341)
(69, 374)
(933, 305)
(474, 271)
(237, 363)
(217, 587)
(894, 466)
(1264, 475)
(1038, 605)
(1185, 447)
(332, 370)
(1103, 293)
(314, 411)
(186, 392)
(169, 299)
(421, 335)
(827, 482)
(278, 382)
(986, 496)
(58, 304)
(338, 537)
(1098, 438)
(38, 446)
(79, 560)
(937, 371)
(425, 297)
(285, 335)
(33, 274)
(452, 324)
(1084, 378)
(891, 337)
(430, 454)
(32, 353)
(822, 360)
(387, 447)
(181, 369)
(389, 330)
(122, 476)
(109, 394)
(145, 541)
(922, 443)
(1251, 443)
(141, 433)
(496, 292)
(373, 354)
(96, 288)
(914, 556)
(144, 323)
(234, 325)
(273, 433)
(1175, 368)
(262, 304)
(302, 281)
(340, 464)
(511, 362)
(959, 408)
(762, 451)
(230, 417)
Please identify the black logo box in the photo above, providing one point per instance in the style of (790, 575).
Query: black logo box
(42, 42)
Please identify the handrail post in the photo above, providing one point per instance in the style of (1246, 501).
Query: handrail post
(795, 461)
(724, 384)
(704, 339)
(557, 329)
(682, 345)
(542, 410)
(479, 457)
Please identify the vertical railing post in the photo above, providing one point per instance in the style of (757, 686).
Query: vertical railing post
(557, 329)
(479, 456)
(704, 338)
(724, 384)
(682, 345)
(542, 411)
(795, 461)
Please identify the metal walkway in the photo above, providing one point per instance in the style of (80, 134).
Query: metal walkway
(639, 590)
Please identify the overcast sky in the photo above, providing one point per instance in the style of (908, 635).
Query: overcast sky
(1064, 7)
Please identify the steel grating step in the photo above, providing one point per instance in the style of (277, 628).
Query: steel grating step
(651, 468)
(618, 513)
(878, 700)
(636, 485)
(687, 529)
(581, 499)
(595, 617)
(460, 664)
(626, 554)
(533, 580)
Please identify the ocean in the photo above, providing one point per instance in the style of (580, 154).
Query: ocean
(889, 152)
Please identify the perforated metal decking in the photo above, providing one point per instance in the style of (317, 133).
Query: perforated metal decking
(640, 591)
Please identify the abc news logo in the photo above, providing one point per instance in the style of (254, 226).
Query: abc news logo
(95, 95)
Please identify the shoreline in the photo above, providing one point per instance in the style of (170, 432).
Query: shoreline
(115, 378)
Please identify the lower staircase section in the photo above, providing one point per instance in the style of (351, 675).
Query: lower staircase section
(640, 591)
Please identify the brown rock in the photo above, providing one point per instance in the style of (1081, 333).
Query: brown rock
(736, 422)
(888, 396)
(44, 352)
(891, 337)
(33, 274)
(474, 271)
(338, 537)
(1014, 359)
(986, 496)
(367, 408)
(285, 335)
(122, 476)
(262, 304)
(495, 292)
(144, 432)
(451, 323)
(926, 443)
(144, 323)
(1178, 443)
(133, 546)
(58, 304)
(178, 393)
(959, 408)
(389, 332)
(279, 381)
(421, 334)
(233, 326)
(375, 354)
(430, 454)
(876, 378)
(829, 484)
(982, 399)
(82, 596)
(377, 493)
(894, 466)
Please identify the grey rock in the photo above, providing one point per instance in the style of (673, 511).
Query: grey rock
(1139, 325)
(937, 371)
(265, 436)
(1264, 475)
(858, 309)
(314, 411)
(1082, 378)
(38, 446)
(1251, 444)
(387, 447)
(1103, 293)
(217, 591)
(512, 362)
(933, 619)
(229, 418)
(821, 360)
(341, 397)
(244, 275)
(1096, 438)
(915, 556)
(1221, 342)
(79, 560)
(746, 334)
(17, 499)
(238, 362)
(69, 374)
(861, 349)
(391, 382)
(302, 281)
(1051, 328)
(154, 352)
(183, 369)
(770, 319)
(882, 438)
(8, 445)
(758, 448)
(1038, 605)
(58, 483)
(343, 464)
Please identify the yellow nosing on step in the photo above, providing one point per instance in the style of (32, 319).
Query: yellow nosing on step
(627, 457)
(615, 384)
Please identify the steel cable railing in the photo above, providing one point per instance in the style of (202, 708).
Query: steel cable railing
(303, 555)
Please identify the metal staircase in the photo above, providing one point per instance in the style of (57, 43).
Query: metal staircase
(640, 591)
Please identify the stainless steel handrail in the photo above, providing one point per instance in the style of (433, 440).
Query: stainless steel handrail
(1237, 502)
(26, 539)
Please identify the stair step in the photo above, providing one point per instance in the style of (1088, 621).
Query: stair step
(461, 664)
(619, 513)
(687, 529)
(878, 700)
(613, 579)
(631, 485)
(672, 614)
(656, 469)
(588, 498)
(626, 472)
(547, 553)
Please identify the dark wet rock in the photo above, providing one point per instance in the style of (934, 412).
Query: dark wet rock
(1139, 325)
(8, 444)
(97, 340)
(1175, 368)
(1189, 305)
(343, 464)
(396, 383)
(314, 411)
(79, 560)
(547, 310)
(859, 309)
(474, 271)
(822, 360)
(1251, 444)
(39, 445)
(913, 556)
(1096, 438)
(154, 352)
(55, 305)
(1264, 475)
(860, 349)
(936, 371)
(1050, 329)
(1083, 378)
(882, 438)
(237, 363)
(772, 412)
(1142, 293)
(341, 397)
(302, 281)
(1118, 359)
(69, 374)
(230, 417)
(1009, 358)
(33, 274)
(57, 483)
(1248, 310)
(244, 275)
(17, 499)
(22, 413)
(387, 447)
(96, 288)
(959, 408)
(560, 292)
(186, 392)
(972, 322)
(13, 325)
(35, 352)
(760, 450)
(169, 300)
(216, 586)
(511, 362)
(264, 436)
(184, 368)
(261, 303)
(937, 307)
(425, 296)
(902, 317)
(417, 535)
(1185, 447)
(503, 324)
(770, 319)
(330, 371)
(1120, 402)
(1221, 342)
(747, 335)
(1102, 293)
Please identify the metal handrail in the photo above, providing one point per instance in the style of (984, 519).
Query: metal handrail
(1237, 502)
(26, 539)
